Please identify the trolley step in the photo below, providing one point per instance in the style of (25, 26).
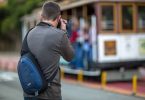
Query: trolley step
(85, 73)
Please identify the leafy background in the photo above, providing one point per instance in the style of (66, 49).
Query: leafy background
(10, 21)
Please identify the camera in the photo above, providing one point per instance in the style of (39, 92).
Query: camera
(68, 27)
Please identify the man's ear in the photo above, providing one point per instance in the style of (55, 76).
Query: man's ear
(59, 17)
(56, 19)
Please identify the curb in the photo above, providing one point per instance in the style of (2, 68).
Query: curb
(110, 89)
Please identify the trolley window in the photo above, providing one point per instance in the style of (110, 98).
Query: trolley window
(141, 18)
(127, 17)
(107, 18)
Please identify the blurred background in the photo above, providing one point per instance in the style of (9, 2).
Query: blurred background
(108, 37)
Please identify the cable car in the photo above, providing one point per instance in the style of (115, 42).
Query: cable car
(117, 30)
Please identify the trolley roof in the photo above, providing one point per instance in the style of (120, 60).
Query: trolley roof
(67, 4)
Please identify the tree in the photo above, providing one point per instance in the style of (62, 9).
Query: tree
(10, 16)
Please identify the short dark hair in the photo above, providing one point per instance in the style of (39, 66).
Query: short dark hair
(50, 10)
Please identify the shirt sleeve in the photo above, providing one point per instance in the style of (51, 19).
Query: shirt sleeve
(67, 51)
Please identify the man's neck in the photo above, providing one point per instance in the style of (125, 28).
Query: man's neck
(50, 22)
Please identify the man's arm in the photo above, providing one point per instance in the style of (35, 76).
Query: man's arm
(67, 51)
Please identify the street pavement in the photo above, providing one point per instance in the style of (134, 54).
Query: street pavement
(10, 90)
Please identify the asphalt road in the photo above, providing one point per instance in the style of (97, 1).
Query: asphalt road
(10, 90)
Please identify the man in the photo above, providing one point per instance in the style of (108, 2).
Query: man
(48, 43)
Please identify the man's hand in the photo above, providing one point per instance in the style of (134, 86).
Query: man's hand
(63, 24)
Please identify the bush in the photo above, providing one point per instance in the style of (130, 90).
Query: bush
(11, 13)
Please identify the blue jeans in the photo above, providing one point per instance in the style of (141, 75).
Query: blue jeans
(79, 57)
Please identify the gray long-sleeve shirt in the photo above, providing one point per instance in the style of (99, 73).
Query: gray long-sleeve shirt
(47, 44)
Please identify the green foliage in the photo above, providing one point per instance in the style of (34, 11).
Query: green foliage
(10, 21)
(11, 14)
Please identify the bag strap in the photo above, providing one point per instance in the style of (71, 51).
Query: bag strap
(25, 49)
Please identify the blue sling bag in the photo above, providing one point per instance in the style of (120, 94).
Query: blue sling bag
(30, 74)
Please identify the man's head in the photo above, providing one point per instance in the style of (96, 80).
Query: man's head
(51, 12)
